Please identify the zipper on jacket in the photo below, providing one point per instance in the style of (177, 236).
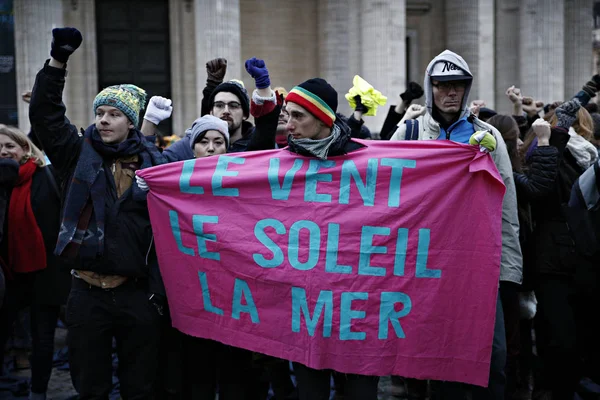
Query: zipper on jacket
(149, 248)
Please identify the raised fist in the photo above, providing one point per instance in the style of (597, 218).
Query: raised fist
(541, 129)
(514, 94)
(413, 92)
(159, 109)
(567, 113)
(258, 70)
(216, 70)
(64, 43)
(414, 111)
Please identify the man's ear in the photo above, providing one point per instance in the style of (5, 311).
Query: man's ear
(131, 126)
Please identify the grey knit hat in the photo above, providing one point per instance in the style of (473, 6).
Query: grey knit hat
(207, 123)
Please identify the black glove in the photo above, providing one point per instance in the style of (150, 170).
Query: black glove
(159, 302)
(567, 113)
(592, 86)
(215, 70)
(360, 107)
(413, 92)
(64, 43)
(9, 172)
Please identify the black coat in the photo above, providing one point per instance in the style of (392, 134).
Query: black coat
(552, 247)
(129, 246)
(52, 284)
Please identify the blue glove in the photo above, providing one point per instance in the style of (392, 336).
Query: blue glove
(64, 43)
(258, 70)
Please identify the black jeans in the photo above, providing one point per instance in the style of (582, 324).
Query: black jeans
(509, 294)
(208, 365)
(556, 336)
(94, 317)
(497, 379)
(20, 294)
(314, 384)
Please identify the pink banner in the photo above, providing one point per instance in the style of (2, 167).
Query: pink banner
(383, 261)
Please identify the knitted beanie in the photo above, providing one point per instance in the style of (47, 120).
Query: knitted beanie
(205, 124)
(130, 99)
(236, 87)
(318, 98)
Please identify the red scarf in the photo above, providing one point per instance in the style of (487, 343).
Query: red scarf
(26, 249)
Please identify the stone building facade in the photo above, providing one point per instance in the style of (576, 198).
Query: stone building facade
(543, 46)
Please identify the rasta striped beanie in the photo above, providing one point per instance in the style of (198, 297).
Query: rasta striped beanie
(130, 99)
(318, 98)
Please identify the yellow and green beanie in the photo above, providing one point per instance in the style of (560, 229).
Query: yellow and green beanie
(318, 98)
(130, 99)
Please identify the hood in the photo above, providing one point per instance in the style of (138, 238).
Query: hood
(447, 56)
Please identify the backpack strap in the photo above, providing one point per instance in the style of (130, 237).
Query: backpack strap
(412, 129)
(52, 180)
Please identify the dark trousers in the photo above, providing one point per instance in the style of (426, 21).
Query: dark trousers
(20, 294)
(315, 384)
(94, 317)
(509, 296)
(275, 373)
(209, 366)
(497, 380)
(555, 330)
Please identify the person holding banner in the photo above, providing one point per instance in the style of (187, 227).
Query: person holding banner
(315, 131)
(447, 85)
(105, 232)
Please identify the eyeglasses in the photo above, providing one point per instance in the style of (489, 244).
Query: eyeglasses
(446, 86)
(232, 105)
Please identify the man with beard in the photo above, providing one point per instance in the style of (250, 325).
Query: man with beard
(230, 102)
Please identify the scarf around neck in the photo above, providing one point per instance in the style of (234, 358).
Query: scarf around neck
(81, 233)
(318, 148)
(26, 249)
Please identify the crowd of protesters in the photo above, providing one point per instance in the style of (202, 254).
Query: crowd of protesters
(75, 230)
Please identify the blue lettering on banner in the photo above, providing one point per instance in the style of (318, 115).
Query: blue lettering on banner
(388, 314)
(198, 222)
(259, 233)
(282, 192)
(324, 306)
(397, 165)
(347, 314)
(186, 175)
(241, 289)
(174, 220)
(313, 177)
(220, 172)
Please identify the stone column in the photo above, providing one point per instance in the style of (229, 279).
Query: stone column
(184, 86)
(217, 28)
(507, 51)
(82, 81)
(34, 20)
(473, 39)
(383, 51)
(578, 44)
(542, 51)
(286, 39)
(340, 46)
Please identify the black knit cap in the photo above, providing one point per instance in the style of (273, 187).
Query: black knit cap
(235, 88)
(323, 90)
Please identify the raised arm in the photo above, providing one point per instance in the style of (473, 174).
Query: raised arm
(215, 70)
(59, 138)
(265, 107)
